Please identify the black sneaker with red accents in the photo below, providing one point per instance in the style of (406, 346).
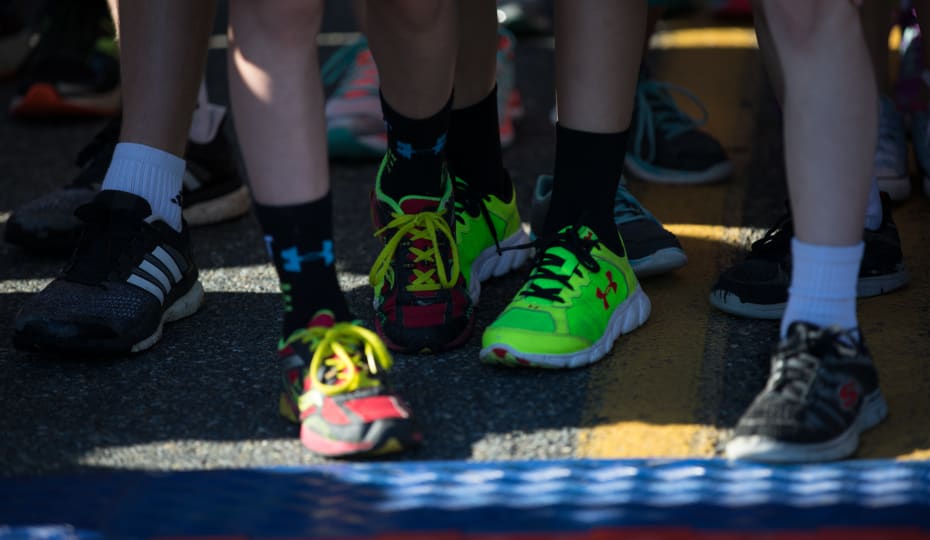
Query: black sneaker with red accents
(821, 394)
(335, 384)
(421, 300)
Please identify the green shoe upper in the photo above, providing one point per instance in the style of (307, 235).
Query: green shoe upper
(482, 223)
(565, 306)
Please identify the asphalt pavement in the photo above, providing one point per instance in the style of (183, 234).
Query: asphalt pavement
(206, 396)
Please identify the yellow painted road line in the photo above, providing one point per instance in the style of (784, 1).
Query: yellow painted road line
(711, 37)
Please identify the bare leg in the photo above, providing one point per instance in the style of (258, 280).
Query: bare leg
(475, 67)
(161, 119)
(415, 46)
(583, 80)
(274, 82)
(830, 127)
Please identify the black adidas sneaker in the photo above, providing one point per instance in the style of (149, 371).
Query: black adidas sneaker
(130, 274)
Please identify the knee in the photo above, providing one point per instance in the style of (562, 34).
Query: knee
(283, 21)
(410, 15)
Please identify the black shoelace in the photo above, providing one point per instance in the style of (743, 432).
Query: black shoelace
(473, 204)
(775, 243)
(794, 366)
(547, 264)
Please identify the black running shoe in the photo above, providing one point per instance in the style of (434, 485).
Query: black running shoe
(821, 394)
(213, 191)
(757, 287)
(666, 145)
(131, 273)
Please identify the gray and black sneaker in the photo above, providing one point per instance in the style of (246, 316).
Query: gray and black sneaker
(757, 287)
(821, 394)
(666, 145)
(131, 273)
(650, 247)
(213, 191)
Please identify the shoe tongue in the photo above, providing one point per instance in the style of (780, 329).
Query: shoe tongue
(569, 259)
(322, 318)
(414, 204)
(122, 202)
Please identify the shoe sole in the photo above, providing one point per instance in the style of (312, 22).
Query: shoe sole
(42, 100)
(628, 316)
(660, 262)
(764, 449)
(489, 264)
(648, 173)
(428, 346)
(865, 288)
(379, 440)
(185, 306)
(229, 206)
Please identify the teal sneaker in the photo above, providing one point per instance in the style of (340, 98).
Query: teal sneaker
(579, 298)
(666, 145)
(484, 227)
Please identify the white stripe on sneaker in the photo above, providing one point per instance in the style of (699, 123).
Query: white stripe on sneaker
(147, 285)
(166, 259)
(157, 273)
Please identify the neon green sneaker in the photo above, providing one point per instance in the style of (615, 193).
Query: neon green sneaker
(579, 298)
(483, 226)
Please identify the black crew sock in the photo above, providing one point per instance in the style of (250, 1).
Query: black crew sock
(587, 172)
(474, 149)
(299, 240)
(418, 146)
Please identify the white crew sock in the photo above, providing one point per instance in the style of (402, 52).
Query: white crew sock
(873, 212)
(150, 173)
(823, 285)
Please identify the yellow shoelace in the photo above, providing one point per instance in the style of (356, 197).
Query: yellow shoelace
(421, 226)
(347, 353)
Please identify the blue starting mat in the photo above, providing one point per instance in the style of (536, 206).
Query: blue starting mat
(554, 500)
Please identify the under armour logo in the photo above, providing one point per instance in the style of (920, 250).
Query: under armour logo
(293, 260)
(849, 395)
(611, 287)
(177, 199)
(405, 149)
